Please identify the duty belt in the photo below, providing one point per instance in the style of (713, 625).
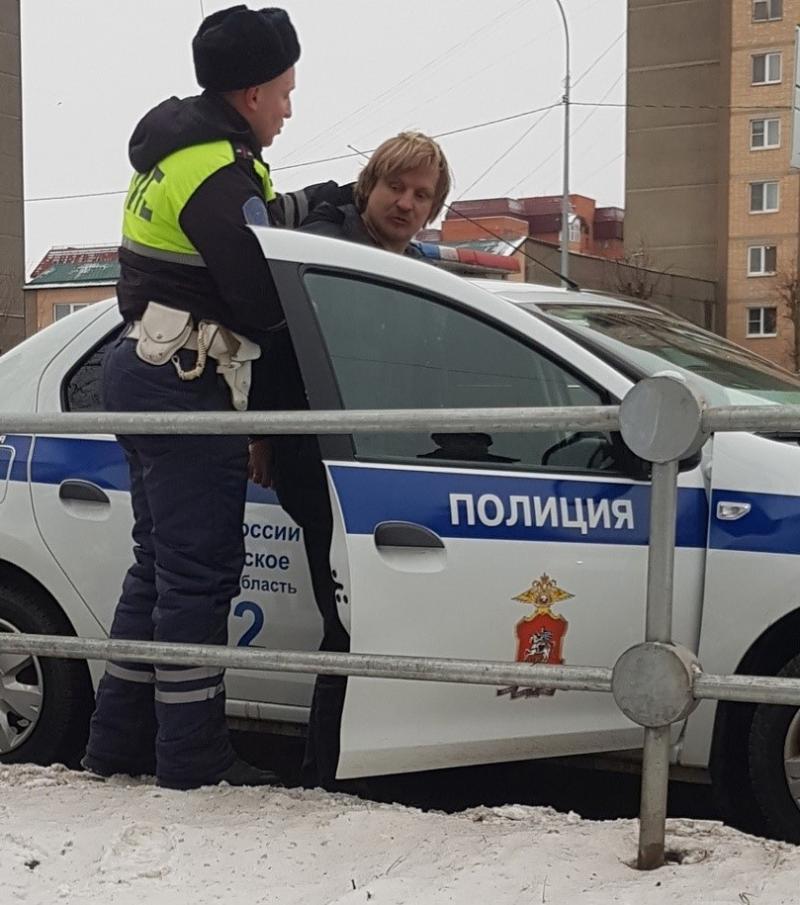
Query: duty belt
(162, 332)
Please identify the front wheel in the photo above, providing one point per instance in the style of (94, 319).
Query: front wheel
(774, 763)
(45, 704)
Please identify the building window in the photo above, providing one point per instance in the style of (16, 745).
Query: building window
(762, 260)
(765, 133)
(763, 197)
(62, 310)
(767, 10)
(575, 231)
(766, 68)
(762, 321)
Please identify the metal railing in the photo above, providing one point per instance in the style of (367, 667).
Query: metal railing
(655, 684)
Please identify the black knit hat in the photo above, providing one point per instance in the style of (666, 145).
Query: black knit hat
(240, 47)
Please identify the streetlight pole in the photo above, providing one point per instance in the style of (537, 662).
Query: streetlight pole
(565, 206)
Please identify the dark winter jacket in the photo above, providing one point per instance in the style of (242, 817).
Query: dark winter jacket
(234, 287)
(345, 222)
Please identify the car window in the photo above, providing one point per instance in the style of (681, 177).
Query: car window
(727, 374)
(83, 386)
(391, 348)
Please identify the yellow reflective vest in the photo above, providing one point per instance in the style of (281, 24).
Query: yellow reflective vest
(155, 200)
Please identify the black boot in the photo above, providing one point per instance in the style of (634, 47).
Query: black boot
(240, 773)
(102, 769)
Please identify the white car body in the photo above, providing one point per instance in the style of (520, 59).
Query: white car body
(587, 529)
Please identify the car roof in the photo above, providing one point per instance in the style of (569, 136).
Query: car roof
(295, 246)
(538, 294)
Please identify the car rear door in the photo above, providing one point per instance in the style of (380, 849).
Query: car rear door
(528, 547)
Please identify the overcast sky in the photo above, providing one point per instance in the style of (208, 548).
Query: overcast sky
(369, 68)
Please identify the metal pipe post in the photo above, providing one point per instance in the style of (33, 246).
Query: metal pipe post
(751, 689)
(509, 420)
(660, 573)
(565, 205)
(384, 666)
(661, 556)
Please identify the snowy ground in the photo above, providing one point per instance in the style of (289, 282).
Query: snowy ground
(67, 838)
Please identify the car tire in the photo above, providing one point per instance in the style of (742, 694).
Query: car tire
(45, 703)
(729, 766)
(774, 756)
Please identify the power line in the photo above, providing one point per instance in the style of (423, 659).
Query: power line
(602, 167)
(572, 134)
(387, 93)
(471, 128)
(494, 122)
(682, 106)
(599, 59)
(508, 150)
(533, 125)
(483, 125)
(79, 195)
(309, 163)
(509, 52)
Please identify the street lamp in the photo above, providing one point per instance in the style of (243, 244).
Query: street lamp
(565, 206)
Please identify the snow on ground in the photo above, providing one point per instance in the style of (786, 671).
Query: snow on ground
(67, 838)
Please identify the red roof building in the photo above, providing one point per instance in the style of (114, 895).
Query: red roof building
(593, 230)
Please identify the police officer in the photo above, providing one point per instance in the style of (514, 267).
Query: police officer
(197, 298)
(400, 190)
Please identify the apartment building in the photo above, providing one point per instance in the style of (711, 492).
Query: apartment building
(710, 187)
(12, 259)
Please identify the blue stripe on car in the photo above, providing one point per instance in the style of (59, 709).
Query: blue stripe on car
(57, 459)
(771, 526)
(372, 495)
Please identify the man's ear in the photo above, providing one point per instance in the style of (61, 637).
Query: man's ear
(250, 98)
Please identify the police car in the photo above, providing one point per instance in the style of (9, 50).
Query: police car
(529, 547)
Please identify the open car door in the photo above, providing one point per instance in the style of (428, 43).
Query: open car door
(519, 546)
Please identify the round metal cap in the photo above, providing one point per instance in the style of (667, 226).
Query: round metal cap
(652, 683)
(660, 418)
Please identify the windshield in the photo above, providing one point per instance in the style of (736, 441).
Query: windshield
(648, 341)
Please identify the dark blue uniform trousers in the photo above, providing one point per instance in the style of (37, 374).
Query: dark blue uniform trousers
(188, 495)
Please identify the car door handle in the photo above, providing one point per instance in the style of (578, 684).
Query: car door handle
(731, 511)
(82, 491)
(406, 534)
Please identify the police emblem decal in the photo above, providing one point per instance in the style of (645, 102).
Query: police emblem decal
(540, 635)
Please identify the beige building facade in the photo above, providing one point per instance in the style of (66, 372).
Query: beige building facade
(710, 189)
(46, 305)
(12, 256)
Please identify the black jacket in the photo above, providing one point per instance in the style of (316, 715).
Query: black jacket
(344, 222)
(234, 288)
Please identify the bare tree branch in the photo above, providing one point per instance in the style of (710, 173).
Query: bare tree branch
(635, 274)
(10, 291)
(789, 294)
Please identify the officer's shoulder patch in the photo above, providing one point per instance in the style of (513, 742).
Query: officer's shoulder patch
(242, 151)
(255, 212)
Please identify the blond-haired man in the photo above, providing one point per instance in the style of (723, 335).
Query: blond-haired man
(401, 189)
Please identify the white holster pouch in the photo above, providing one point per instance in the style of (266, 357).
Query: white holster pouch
(160, 333)
(163, 331)
(234, 355)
